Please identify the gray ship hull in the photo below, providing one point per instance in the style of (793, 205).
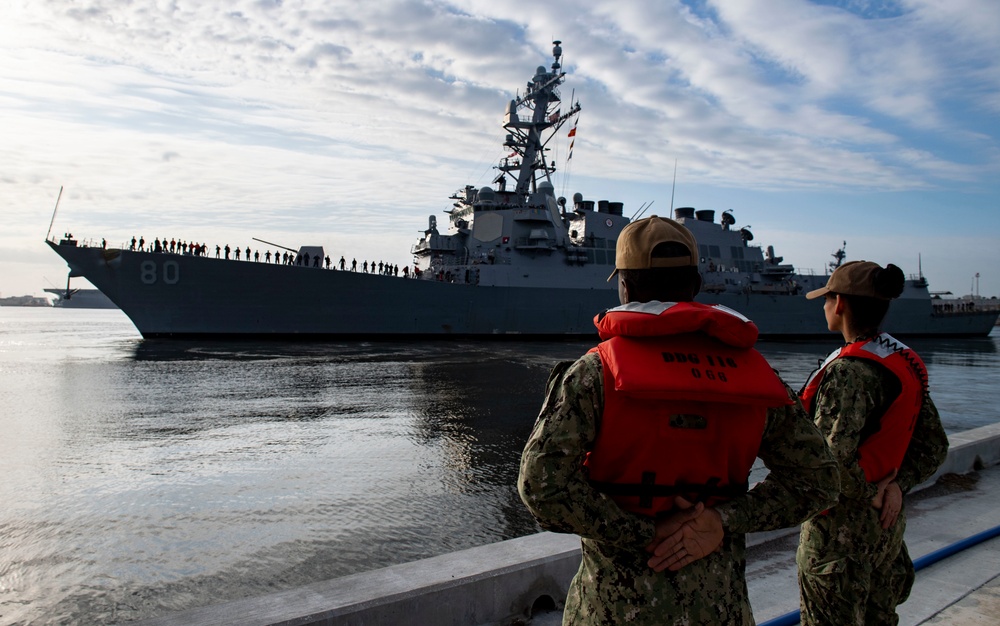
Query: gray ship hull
(172, 295)
(199, 296)
(792, 317)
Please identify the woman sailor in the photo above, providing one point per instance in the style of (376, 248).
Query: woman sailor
(869, 399)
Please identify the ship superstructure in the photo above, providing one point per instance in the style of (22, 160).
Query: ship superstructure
(495, 233)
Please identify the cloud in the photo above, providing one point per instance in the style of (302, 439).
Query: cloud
(703, 86)
(368, 115)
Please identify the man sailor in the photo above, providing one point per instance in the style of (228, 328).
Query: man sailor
(643, 447)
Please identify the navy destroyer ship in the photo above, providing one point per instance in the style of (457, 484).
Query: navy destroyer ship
(513, 260)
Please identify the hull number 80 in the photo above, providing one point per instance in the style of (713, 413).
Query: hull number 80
(169, 273)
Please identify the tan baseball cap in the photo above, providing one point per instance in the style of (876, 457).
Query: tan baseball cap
(637, 240)
(854, 278)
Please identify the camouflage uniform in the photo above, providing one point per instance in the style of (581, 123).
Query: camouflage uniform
(850, 570)
(614, 585)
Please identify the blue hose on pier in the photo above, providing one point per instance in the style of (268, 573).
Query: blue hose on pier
(791, 618)
(943, 553)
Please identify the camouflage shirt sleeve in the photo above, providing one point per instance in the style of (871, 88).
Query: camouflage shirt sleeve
(927, 451)
(552, 482)
(802, 479)
(851, 392)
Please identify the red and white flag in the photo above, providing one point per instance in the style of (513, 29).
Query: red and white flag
(572, 133)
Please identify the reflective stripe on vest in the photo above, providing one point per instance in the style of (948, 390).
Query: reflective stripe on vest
(883, 451)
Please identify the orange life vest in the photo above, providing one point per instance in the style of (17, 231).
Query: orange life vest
(883, 451)
(685, 404)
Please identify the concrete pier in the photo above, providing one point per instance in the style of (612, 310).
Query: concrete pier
(524, 581)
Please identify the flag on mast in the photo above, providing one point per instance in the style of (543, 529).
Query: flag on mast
(572, 133)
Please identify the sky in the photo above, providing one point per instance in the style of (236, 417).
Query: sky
(346, 124)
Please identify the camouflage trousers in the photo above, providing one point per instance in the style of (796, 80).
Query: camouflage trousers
(851, 572)
(615, 586)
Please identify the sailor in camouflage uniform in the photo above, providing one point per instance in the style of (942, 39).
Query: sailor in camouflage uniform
(854, 568)
(685, 565)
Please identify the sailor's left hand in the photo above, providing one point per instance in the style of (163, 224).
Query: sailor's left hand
(697, 537)
(880, 486)
(892, 505)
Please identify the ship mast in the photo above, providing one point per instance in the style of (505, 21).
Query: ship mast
(526, 134)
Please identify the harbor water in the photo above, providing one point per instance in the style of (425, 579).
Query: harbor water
(139, 478)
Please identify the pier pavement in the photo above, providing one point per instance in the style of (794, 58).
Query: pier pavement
(523, 581)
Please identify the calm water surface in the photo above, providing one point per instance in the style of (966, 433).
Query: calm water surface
(139, 478)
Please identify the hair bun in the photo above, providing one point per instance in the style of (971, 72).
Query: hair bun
(889, 281)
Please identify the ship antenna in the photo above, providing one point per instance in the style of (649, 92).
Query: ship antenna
(644, 210)
(53, 220)
(672, 187)
(641, 207)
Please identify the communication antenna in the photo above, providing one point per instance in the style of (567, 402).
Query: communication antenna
(672, 187)
(644, 210)
(641, 208)
(53, 220)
